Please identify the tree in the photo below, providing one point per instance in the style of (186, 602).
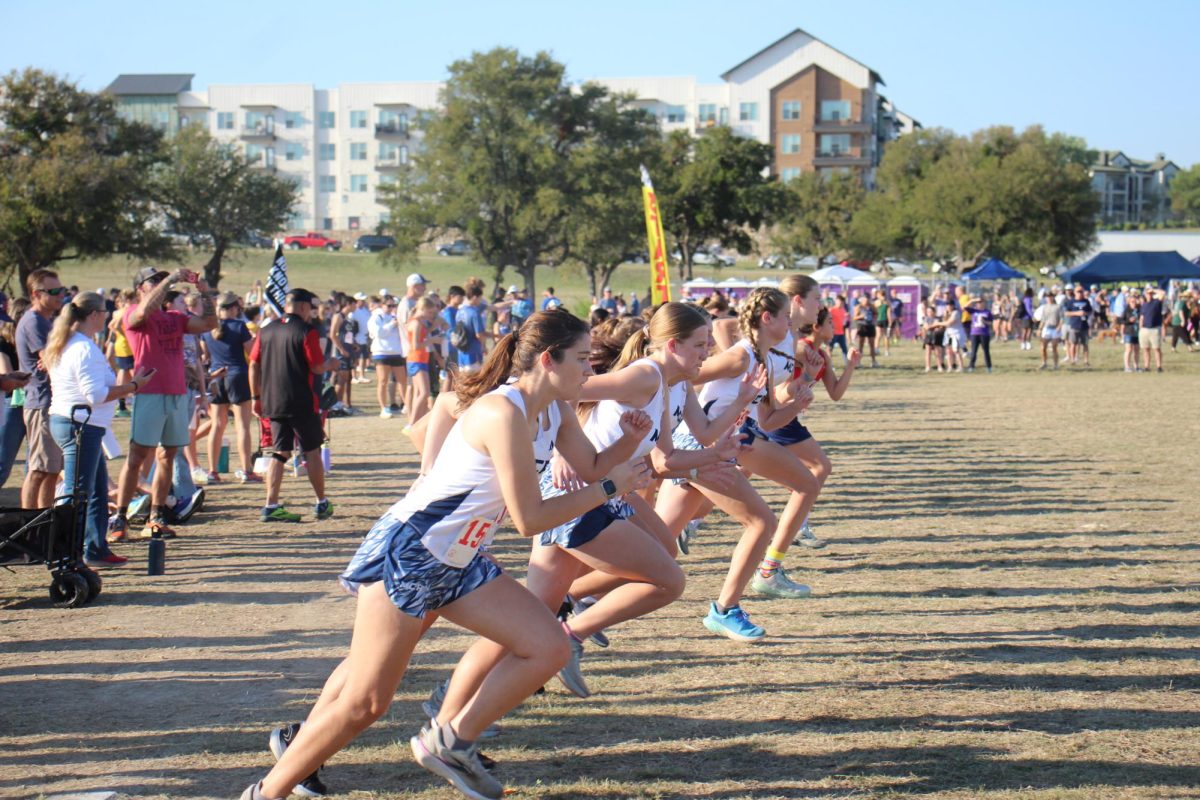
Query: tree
(74, 177)
(816, 214)
(714, 187)
(1185, 194)
(495, 163)
(208, 189)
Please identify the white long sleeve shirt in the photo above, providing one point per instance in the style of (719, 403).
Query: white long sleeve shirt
(385, 335)
(82, 377)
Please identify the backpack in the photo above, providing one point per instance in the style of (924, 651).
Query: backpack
(462, 337)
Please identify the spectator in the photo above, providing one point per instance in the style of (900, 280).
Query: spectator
(449, 316)
(118, 345)
(895, 316)
(1128, 324)
(838, 314)
(1078, 310)
(256, 296)
(229, 372)
(883, 323)
(387, 351)
(608, 302)
(44, 460)
(522, 306)
(1150, 335)
(549, 300)
(470, 330)
(933, 330)
(981, 331)
(343, 335)
(160, 415)
(283, 361)
(362, 318)
(80, 375)
(1024, 319)
(1049, 315)
(864, 327)
(1179, 323)
(415, 286)
(635, 305)
(14, 400)
(421, 333)
(954, 339)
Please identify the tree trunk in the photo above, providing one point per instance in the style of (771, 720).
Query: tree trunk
(592, 283)
(527, 271)
(212, 270)
(606, 274)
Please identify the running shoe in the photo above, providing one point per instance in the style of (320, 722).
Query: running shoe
(202, 476)
(117, 528)
(248, 477)
(139, 509)
(807, 538)
(185, 507)
(461, 768)
(157, 529)
(572, 675)
(278, 514)
(324, 509)
(734, 623)
(122, 412)
(395, 408)
(106, 560)
(779, 585)
(280, 739)
(577, 607)
(433, 706)
(386, 414)
(685, 536)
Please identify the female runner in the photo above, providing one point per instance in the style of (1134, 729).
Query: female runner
(422, 556)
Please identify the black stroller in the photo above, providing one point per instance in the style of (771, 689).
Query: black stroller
(54, 537)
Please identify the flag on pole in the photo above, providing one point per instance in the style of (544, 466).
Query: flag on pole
(277, 282)
(660, 275)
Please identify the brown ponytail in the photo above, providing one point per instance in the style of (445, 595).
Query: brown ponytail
(762, 300)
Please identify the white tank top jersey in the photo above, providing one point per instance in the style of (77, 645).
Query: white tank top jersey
(716, 396)
(781, 360)
(545, 434)
(676, 398)
(458, 506)
(603, 427)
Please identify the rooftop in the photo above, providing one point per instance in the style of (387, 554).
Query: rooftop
(150, 84)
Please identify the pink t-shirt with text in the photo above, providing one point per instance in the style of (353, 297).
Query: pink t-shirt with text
(158, 344)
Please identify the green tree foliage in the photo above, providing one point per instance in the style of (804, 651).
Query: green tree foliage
(715, 187)
(209, 189)
(1185, 194)
(816, 214)
(74, 177)
(496, 165)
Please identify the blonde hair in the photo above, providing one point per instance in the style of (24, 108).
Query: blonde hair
(424, 303)
(81, 307)
(761, 301)
(797, 285)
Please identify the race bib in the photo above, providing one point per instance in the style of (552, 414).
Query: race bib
(467, 542)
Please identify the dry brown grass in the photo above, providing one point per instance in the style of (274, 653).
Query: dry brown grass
(1007, 608)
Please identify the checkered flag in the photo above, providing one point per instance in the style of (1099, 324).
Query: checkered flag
(277, 282)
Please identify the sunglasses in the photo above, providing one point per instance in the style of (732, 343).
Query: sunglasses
(55, 292)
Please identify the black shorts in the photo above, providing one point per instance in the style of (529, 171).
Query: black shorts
(935, 338)
(304, 428)
(866, 331)
(230, 389)
(346, 362)
(389, 361)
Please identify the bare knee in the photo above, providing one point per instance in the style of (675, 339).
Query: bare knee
(673, 582)
(365, 706)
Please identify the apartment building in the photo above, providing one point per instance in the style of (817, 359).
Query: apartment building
(820, 109)
(1132, 190)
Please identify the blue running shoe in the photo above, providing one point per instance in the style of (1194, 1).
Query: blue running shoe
(733, 623)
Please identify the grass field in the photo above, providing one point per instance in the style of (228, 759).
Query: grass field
(1008, 607)
(350, 272)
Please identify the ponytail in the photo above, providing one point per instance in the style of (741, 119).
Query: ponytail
(494, 373)
(79, 309)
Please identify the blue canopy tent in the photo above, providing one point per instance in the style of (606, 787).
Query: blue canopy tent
(993, 270)
(1135, 267)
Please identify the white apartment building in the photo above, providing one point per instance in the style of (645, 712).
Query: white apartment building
(819, 108)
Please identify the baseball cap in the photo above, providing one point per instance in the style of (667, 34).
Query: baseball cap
(384, 292)
(229, 299)
(514, 289)
(360, 295)
(148, 273)
(301, 296)
(416, 278)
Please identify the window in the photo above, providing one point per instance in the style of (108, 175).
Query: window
(358, 119)
(327, 224)
(676, 114)
(254, 153)
(353, 223)
(358, 183)
(326, 151)
(833, 144)
(295, 221)
(293, 119)
(707, 113)
(224, 120)
(293, 151)
(789, 143)
(387, 179)
(791, 109)
(198, 118)
(327, 183)
(747, 112)
(403, 154)
(385, 217)
(789, 174)
(835, 110)
(327, 120)
(358, 151)
(260, 122)
(393, 122)
(387, 151)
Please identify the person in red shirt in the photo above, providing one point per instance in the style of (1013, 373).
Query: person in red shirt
(837, 313)
(285, 357)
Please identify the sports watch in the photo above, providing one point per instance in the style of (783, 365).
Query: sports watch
(610, 488)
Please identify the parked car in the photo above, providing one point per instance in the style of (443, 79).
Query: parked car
(459, 247)
(373, 244)
(258, 241)
(706, 257)
(642, 257)
(312, 240)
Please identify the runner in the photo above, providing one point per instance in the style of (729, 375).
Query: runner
(422, 556)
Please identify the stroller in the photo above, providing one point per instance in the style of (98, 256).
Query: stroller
(54, 537)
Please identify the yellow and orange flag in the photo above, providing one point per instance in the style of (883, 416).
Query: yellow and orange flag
(660, 274)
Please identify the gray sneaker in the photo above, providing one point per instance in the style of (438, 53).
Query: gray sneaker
(807, 538)
(599, 638)
(779, 585)
(461, 768)
(433, 706)
(571, 675)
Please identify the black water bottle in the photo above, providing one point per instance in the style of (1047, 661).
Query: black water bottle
(157, 558)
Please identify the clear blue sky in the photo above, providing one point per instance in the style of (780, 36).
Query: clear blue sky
(1123, 75)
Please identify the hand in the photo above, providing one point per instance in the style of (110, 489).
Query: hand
(631, 476)
(333, 364)
(855, 357)
(728, 446)
(201, 284)
(753, 382)
(636, 424)
(218, 372)
(803, 395)
(13, 380)
(813, 360)
(719, 477)
(143, 376)
(256, 408)
(563, 474)
(178, 276)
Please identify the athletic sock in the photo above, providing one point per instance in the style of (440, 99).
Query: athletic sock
(452, 739)
(723, 610)
(158, 512)
(270, 506)
(771, 562)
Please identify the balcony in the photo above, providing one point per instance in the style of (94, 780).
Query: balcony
(390, 162)
(842, 126)
(264, 161)
(841, 158)
(391, 130)
(259, 130)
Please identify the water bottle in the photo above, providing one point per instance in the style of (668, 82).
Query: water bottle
(157, 557)
(299, 469)
(223, 458)
(326, 458)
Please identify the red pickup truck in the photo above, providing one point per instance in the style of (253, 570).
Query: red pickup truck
(311, 240)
